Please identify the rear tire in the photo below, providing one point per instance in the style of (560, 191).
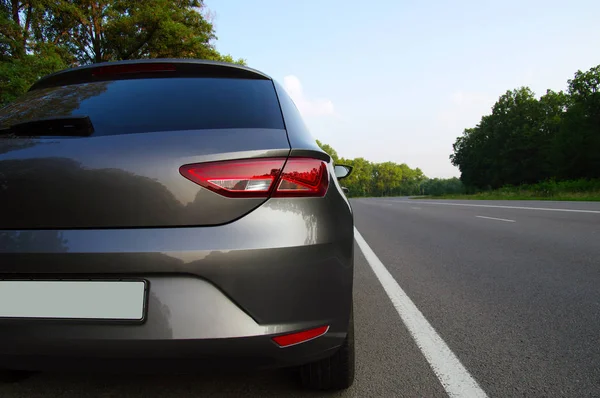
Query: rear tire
(13, 376)
(335, 372)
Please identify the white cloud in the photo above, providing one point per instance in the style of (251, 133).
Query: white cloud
(306, 106)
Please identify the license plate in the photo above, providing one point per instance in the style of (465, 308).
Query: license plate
(102, 300)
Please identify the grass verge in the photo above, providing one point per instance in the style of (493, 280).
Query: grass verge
(574, 190)
(580, 198)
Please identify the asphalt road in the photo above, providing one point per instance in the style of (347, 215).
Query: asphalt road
(511, 289)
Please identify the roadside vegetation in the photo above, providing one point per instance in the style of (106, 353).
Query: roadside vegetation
(379, 179)
(527, 148)
(390, 179)
(574, 190)
(530, 148)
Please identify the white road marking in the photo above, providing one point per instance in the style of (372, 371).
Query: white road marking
(416, 208)
(454, 377)
(492, 206)
(497, 219)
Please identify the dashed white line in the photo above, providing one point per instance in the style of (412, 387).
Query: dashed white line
(497, 219)
(453, 376)
(491, 206)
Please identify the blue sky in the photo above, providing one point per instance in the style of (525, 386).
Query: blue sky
(400, 80)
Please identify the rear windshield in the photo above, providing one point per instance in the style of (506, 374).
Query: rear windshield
(147, 105)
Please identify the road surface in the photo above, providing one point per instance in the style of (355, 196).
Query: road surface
(452, 298)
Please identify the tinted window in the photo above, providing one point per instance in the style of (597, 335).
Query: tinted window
(145, 105)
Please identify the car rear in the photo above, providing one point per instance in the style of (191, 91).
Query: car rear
(168, 213)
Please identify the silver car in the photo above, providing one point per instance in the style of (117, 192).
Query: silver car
(171, 214)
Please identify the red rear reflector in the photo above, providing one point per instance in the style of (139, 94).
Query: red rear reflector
(132, 68)
(258, 178)
(287, 340)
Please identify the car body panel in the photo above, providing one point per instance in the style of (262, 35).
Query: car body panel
(124, 180)
(299, 252)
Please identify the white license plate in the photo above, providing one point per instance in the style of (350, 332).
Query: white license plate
(107, 300)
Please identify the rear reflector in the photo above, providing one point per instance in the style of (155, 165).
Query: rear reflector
(133, 68)
(287, 340)
(259, 178)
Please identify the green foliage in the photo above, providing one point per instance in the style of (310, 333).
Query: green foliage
(579, 190)
(230, 59)
(329, 150)
(38, 37)
(17, 75)
(439, 186)
(388, 178)
(527, 140)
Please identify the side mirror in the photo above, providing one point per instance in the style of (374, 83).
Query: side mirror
(342, 171)
(345, 190)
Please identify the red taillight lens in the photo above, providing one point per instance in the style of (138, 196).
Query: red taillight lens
(252, 178)
(303, 177)
(287, 340)
(257, 178)
(133, 68)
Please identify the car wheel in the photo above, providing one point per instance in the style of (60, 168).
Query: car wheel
(335, 372)
(13, 376)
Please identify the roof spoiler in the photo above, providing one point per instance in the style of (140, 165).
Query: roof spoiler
(147, 68)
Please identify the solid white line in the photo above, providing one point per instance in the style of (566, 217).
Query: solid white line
(455, 379)
(493, 206)
(497, 219)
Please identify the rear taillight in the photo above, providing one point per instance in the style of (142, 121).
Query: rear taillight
(259, 178)
(303, 177)
(251, 178)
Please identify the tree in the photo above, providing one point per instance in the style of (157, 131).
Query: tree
(329, 150)
(527, 140)
(110, 30)
(377, 179)
(23, 59)
(359, 182)
(438, 186)
(38, 37)
(386, 178)
(579, 137)
(17, 75)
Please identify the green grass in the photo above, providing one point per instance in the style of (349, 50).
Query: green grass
(574, 190)
(582, 198)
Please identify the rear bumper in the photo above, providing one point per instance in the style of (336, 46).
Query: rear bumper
(189, 322)
(217, 295)
(174, 356)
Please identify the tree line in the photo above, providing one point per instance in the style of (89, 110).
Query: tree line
(526, 140)
(39, 37)
(526, 144)
(390, 179)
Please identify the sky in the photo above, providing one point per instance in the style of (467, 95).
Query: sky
(400, 80)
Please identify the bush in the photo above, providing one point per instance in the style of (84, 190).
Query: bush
(581, 189)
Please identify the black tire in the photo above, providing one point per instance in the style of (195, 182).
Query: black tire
(333, 373)
(13, 376)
